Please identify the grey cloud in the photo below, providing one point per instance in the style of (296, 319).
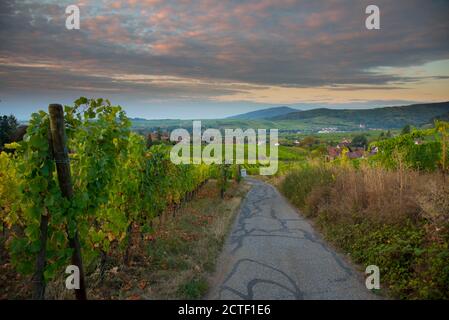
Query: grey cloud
(284, 47)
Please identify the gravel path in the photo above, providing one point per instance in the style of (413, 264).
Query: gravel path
(273, 253)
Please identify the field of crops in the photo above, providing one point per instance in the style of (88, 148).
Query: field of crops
(116, 184)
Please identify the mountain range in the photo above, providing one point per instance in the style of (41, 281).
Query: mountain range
(265, 113)
(386, 117)
(289, 119)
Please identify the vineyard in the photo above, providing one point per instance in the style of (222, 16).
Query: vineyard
(426, 150)
(114, 184)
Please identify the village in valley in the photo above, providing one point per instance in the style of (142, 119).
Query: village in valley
(331, 144)
(344, 149)
(328, 144)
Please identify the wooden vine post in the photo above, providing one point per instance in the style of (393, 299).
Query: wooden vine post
(38, 277)
(61, 157)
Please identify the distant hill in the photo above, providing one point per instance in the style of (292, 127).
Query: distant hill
(385, 118)
(264, 114)
(314, 120)
(443, 117)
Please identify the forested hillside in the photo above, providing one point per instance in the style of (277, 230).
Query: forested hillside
(385, 118)
(316, 119)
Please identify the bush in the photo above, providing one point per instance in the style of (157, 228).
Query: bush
(420, 150)
(300, 182)
(8, 126)
(360, 141)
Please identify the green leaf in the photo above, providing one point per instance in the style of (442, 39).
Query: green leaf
(81, 100)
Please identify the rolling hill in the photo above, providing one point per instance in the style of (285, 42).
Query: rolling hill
(385, 118)
(264, 114)
(314, 120)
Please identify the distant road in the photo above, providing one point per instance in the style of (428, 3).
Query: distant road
(274, 253)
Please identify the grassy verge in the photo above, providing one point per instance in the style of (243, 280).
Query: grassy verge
(397, 220)
(172, 263)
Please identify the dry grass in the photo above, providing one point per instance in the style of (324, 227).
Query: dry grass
(382, 195)
(391, 196)
(398, 220)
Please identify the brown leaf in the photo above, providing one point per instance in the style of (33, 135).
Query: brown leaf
(142, 285)
(127, 287)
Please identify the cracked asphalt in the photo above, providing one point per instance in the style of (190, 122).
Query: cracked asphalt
(273, 253)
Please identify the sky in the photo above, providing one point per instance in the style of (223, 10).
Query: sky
(191, 59)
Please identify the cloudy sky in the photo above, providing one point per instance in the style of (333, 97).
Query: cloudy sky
(212, 58)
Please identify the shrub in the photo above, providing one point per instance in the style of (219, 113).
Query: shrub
(300, 182)
(397, 220)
